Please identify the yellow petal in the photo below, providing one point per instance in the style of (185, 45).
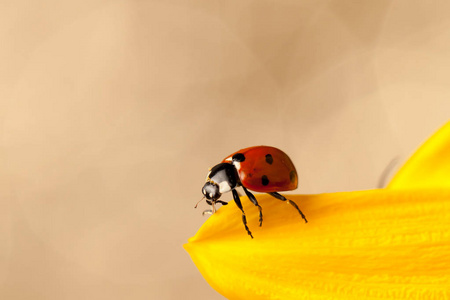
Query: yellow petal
(378, 244)
(429, 166)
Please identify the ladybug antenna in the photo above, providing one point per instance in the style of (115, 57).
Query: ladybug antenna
(199, 202)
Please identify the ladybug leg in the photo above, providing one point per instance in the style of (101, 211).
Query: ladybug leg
(210, 211)
(282, 198)
(222, 202)
(239, 204)
(255, 202)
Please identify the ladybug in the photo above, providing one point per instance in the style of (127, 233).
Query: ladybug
(261, 169)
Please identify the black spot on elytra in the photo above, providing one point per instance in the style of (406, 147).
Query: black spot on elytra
(269, 159)
(292, 176)
(264, 180)
(238, 157)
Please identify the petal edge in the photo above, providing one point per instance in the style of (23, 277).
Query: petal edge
(429, 166)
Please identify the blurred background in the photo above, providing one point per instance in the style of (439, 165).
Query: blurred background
(111, 113)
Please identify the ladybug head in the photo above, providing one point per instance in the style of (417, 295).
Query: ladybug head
(211, 191)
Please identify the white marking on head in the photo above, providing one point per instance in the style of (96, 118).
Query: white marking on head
(224, 187)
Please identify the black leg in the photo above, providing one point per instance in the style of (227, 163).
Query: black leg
(222, 202)
(239, 204)
(282, 198)
(253, 199)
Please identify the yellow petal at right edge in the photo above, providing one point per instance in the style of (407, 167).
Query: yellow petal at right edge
(429, 166)
(377, 244)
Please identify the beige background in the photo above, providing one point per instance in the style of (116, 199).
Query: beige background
(111, 113)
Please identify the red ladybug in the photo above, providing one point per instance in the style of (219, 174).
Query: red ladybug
(261, 169)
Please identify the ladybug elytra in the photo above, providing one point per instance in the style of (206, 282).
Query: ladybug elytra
(261, 169)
